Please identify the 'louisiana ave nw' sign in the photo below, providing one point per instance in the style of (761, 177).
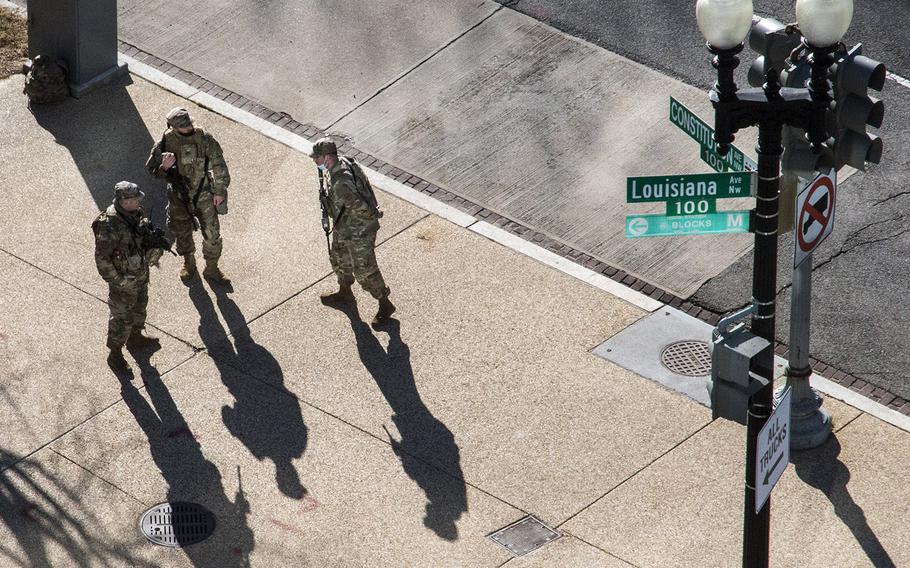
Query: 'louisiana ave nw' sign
(689, 187)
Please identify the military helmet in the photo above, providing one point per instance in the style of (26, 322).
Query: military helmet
(323, 147)
(179, 118)
(127, 190)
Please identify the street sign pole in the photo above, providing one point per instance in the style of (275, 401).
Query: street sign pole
(757, 524)
(810, 423)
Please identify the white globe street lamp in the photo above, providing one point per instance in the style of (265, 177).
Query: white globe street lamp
(724, 23)
(823, 22)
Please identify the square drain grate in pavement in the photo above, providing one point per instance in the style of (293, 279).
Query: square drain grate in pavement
(524, 536)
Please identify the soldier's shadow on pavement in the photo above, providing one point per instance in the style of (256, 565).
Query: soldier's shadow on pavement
(276, 431)
(190, 476)
(820, 468)
(426, 443)
(108, 141)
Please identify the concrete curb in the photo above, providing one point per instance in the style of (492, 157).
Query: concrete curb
(860, 402)
(566, 266)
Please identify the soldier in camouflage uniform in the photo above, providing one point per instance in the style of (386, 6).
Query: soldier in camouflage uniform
(193, 165)
(124, 249)
(355, 222)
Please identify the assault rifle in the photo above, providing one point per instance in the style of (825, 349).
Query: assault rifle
(323, 204)
(157, 240)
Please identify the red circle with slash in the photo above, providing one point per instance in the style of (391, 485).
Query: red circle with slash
(809, 215)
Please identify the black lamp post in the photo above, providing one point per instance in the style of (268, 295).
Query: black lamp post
(724, 24)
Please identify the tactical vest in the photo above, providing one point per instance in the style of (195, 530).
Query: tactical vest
(190, 153)
(129, 256)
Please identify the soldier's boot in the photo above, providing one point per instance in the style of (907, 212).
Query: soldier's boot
(212, 272)
(139, 339)
(189, 266)
(116, 361)
(386, 309)
(344, 295)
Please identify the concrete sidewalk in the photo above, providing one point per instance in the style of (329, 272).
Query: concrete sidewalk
(318, 441)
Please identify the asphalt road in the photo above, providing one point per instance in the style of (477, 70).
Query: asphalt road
(860, 277)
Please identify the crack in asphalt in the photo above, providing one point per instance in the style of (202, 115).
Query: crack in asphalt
(890, 197)
(846, 247)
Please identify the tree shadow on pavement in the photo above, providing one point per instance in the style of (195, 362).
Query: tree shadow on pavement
(190, 476)
(47, 520)
(269, 423)
(108, 141)
(821, 469)
(425, 441)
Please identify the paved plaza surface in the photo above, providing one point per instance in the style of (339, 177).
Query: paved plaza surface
(316, 440)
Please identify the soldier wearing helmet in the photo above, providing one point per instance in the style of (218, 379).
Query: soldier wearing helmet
(197, 181)
(124, 250)
(354, 217)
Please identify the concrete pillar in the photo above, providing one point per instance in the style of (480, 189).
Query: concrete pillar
(83, 33)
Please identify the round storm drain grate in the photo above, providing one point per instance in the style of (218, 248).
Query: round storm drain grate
(177, 524)
(688, 358)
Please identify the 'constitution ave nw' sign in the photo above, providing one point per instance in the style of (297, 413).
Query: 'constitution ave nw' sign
(698, 130)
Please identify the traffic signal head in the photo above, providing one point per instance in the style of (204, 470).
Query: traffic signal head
(731, 384)
(774, 42)
(854, 109)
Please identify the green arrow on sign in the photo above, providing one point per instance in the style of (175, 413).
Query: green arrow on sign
(692, 187)
(698, 130)
(664, 226)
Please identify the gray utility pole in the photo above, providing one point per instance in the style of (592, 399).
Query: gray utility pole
(810, 424)
(81, 33)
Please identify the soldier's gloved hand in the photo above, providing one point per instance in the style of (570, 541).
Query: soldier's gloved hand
(168, 159)
(154, 255)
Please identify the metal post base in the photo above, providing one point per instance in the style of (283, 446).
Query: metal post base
(810, 424)
(82, 89)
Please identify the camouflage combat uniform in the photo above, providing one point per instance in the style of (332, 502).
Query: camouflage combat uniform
(123, 257)
(200, 172)
(353, 254)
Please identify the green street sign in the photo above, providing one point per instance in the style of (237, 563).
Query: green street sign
(698, 130)
(692, 187)
(709, 224)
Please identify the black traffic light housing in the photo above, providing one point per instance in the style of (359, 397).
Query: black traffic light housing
(774, 42)
(853, 109)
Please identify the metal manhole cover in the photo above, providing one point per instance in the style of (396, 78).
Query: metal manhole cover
(524, 536)
(177, 524)
(688, 358)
